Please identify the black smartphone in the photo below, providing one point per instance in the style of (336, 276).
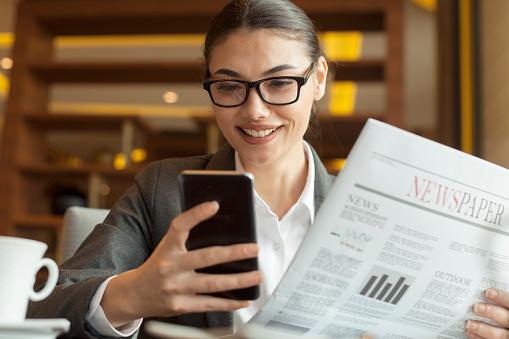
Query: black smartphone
(234, 222)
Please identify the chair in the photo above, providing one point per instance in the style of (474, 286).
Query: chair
(78, 223)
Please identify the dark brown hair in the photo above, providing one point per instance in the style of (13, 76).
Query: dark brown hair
(281, 17)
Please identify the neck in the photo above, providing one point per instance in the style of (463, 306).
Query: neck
(280, 184)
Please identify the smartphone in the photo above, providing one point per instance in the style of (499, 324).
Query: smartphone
(234, 222)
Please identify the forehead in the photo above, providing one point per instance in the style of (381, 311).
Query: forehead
(257, 49)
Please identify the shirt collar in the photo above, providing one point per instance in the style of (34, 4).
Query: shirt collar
(307, 196)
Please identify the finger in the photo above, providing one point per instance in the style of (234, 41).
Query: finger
(180, 226)
(212, 283)
(496, 313)
(471, 335)
(210, 256)
(499, 296)
(183, 304)
(476, 329)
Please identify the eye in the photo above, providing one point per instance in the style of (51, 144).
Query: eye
(228, 87)
(280, 84)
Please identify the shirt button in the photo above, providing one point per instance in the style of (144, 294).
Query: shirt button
(276, 246)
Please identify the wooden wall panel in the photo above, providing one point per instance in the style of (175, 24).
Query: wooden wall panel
(494, 53)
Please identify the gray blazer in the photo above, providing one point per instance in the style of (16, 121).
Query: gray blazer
(128, 236)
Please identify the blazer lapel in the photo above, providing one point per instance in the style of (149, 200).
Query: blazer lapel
(323, 180)
(223, 159)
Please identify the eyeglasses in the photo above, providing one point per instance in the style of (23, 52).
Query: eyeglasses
(283, 90)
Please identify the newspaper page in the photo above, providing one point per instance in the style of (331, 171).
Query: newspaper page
(408, 238)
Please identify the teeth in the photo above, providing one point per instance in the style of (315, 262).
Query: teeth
(258, 134)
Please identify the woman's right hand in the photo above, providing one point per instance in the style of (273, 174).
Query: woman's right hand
(167, 284)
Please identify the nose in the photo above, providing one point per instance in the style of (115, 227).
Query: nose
(254, 107)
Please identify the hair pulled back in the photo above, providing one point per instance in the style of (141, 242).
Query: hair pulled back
(281, 17)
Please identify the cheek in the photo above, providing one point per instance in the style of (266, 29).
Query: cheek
(225, 121)
(221, 120)
(299, 117)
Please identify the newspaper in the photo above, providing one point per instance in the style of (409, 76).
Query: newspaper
(408, 238)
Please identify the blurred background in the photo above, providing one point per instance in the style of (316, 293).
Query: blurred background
(91, 90)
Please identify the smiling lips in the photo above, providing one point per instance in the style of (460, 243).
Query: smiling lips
(260, 133)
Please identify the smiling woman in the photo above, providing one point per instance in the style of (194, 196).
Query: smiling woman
(266, 70)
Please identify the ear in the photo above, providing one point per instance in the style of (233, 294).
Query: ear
(320, 78)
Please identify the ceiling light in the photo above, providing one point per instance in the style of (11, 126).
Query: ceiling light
(6, 63)
(170, 97)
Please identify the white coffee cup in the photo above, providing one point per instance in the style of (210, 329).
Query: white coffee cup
(20, 260)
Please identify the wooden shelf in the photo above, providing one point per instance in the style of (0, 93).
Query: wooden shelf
(59, 170)
(98, 17)
(85, 122)
(366, 70)
(119, 72)
(39, 221)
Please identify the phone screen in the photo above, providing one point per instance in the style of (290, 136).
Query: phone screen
(234, 222)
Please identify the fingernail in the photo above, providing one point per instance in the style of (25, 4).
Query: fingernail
(491, 293)
(471, 325)
(479, 308)
(252, 249)
(257, 277)
(213, 206)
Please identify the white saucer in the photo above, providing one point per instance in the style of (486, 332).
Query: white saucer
(34, 328)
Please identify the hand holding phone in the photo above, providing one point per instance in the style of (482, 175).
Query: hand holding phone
(234, 222)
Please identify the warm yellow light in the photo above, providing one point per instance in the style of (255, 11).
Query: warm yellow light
(138, 155)
(343, 95)
(75, 162)
(120, 162)
(337, 164)
(130, 40)
(6, 63)
(4, 85)
(170, 97)
(430, 5)
(342, 45)
(6, 39)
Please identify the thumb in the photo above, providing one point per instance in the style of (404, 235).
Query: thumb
(178, 232)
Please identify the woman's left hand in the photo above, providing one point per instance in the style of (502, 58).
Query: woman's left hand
(498, 313)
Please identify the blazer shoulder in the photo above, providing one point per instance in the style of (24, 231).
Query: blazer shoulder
(176, 165)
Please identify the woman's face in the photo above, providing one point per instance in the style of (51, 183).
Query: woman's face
(263, 133)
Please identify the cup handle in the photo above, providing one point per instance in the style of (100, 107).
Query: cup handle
(50, 284)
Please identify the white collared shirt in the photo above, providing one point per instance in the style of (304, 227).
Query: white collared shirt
(278, 240)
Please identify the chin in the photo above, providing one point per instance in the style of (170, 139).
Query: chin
(261, 158)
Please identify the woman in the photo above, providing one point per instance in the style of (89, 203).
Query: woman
(133, 266)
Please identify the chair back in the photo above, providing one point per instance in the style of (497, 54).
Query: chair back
(78, 223)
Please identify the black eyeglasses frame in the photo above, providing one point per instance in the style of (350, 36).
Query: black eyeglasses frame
(301, 81)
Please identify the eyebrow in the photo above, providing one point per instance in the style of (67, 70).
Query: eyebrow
(228, 72)
(273, 70)
(278, 69)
